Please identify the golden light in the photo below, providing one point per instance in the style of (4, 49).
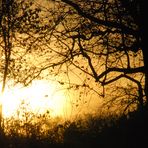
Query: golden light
(40, 96)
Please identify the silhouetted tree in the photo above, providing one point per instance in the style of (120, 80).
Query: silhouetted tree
(107, 41)
(104, 40)
(21, 38)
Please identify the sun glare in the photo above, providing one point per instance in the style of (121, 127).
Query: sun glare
(40, 96)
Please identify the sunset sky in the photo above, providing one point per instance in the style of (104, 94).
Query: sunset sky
(73, 73)
(52, 66)
(43, 95)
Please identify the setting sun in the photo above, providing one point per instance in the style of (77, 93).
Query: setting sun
(73, 73)
(40, 97)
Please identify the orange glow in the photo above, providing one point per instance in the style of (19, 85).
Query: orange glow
(40, 96)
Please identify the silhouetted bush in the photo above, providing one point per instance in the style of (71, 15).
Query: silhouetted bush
(112, 131)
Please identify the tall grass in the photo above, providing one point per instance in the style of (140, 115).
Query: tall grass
(30, 130)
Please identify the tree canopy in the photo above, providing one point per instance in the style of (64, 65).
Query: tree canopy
(101, 42)
(105, 40)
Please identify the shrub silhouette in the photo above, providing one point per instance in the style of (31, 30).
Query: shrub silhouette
(89, 132)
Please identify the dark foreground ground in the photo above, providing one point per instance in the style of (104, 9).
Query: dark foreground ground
(124, 133)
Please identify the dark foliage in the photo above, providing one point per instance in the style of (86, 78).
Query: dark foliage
(124, 132)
